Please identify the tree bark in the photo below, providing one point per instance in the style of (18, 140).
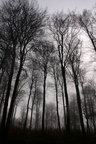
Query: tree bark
(87, 120)
(63, 105)
(4, 115)
(78, 100)
(14, 114)
(67, 100)
(25, 123)
(33, 100)
(57, 108)
(11, 109)
(44, 94)
(2, 99)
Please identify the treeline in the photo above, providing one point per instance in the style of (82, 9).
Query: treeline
(38, 51)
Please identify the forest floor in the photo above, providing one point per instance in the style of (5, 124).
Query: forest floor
(19, 136)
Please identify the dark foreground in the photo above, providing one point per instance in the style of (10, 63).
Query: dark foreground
(18, 136)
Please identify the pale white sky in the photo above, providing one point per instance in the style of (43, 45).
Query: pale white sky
(65, 5)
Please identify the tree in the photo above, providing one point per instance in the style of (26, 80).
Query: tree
(51, 116)
(62, 27)
(44, 51)
(22, 115)
(87, 22)
(29, 97)
(19, 99)
(36, 94)
(74, 61)
(82, 83)
(38, 101)
(22, 24)
(55, 73)
(74, 115)
(63, 97)
(90, 100)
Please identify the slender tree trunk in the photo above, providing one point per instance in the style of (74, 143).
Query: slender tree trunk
(14, 114)
(33, 100)
(1, 104)
(93, 118)
(11, 108)
(94, 126)
(57, 108)
(44, 94)
(78, 100)
(4, 115)
(46, 122)
(67, 100)
(1, 76)
(25, 123)
(64, 106)
(37, 116)
(2, 98)
(88, 127)
(79, 108)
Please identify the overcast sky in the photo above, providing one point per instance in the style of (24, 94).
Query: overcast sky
(65, 5)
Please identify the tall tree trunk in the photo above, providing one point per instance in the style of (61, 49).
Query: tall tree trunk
(57, 108)
(94, 126)
(33, 100)
(1, 104)
(63, 105)
(37, 117)
(2, 99)
(78, 100)
(44, 94)
(11, 108)
(87, 120)
(4, 115)
(67, 100)
(14, 114)
(25, 123)
(1, 76)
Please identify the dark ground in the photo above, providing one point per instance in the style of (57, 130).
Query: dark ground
(18, 136)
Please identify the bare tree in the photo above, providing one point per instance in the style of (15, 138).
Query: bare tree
(51, 116)
(38, 101)
(90, 100)
(34, 97)
(74, 61)
(44, 50)
(22, 115)
(63, 97)
(82, 79)
(29, 97)
(55, 73)
(22, 24)
(87, 22)
(74, 114)
(62, 27)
